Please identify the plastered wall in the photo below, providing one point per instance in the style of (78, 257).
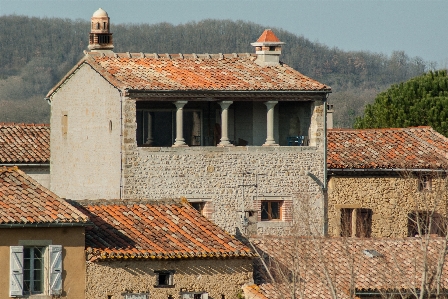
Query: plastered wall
(216, 276)
(391, 198)
(73, 255)
(85, 138)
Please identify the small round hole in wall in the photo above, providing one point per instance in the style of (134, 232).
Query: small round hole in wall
(110, 126)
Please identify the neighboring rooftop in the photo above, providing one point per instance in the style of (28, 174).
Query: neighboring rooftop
(341, 262)
(24, 143)
(24, 201)
(161, 230)
(393, 148)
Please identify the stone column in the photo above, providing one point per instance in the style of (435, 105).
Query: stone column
(180, 141)
(270, 124)
(225, 123)
(149, 128)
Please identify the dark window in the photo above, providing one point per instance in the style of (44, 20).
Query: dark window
(424, 183)
(271, 210)
(33, 270)
(425, 222)
(164, 278)
(364, 223)
(346, 222)
(199, 206)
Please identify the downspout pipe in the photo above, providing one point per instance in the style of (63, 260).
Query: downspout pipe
(325, 183)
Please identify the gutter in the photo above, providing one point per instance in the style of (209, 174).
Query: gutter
(325, 183)
(25, 164)
(228, 91)
(336, 170)
(26, 225)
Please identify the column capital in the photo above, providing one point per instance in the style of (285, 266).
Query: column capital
(180, 104)
(225, 104)
(270, 104)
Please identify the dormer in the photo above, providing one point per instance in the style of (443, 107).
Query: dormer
(268, 49)
(100, 36)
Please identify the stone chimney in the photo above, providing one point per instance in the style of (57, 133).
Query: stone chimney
(100, 36)
(330, 111)
(268, 49)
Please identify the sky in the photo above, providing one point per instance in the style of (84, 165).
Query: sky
(418, 27)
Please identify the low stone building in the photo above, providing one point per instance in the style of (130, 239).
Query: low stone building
(236, 134)
(387, 182)
(42, 241)
(159, 250)
(28, 147)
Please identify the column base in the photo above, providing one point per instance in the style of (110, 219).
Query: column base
(271, 144)
(180, 145)
(224, 145)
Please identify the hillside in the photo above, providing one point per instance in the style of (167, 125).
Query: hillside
(36, 53)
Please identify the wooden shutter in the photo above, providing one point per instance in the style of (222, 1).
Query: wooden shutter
(205, 296)
(55, 279)
(16, 271)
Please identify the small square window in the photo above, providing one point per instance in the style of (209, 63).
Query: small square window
(164, 279)
(271, 210)
(199, 206)
(424, 183)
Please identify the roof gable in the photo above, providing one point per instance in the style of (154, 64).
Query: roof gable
(392, 148)
(154, 230)
(24, 201)
(24, 143)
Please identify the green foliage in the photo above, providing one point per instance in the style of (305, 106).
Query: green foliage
(37, 52)
(421, 101)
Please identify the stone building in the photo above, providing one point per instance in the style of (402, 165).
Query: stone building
(42, 252)
(28, 147)
(159, 250)
(239, 135)
(387, 182)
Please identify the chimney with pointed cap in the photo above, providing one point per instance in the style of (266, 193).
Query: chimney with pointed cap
(268, 49)
(100, 36)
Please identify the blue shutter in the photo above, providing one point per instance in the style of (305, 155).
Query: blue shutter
(16, 271)
(55, 279)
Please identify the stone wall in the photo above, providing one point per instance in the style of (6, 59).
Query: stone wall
(85, 137)
(218, 277)
(391, 198)
(229, 177)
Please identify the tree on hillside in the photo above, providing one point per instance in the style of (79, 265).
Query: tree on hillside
(421, 101)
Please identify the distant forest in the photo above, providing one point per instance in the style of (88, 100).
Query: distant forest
(35, 53)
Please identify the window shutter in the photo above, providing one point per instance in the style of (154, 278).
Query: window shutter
(16, 271)
(205, 296)
(55, 269)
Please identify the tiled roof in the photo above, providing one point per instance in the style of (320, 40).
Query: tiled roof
(268, 36)
(341, 262)
(192, 72)
(24, 143)
(405, 148)
(24, 201)
(154, 230)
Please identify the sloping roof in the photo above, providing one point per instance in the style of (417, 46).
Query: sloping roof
(398, 266)
(393, 148)
(192, 72)
(268, 36)
(161, 230)
(25, 201)
(24, 143)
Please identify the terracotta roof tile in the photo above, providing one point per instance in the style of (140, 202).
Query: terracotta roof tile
(24, 143)
(24, 201)
(268, 36)
(154, 230)
(398, 266)
(407, 148)
(193, 72)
